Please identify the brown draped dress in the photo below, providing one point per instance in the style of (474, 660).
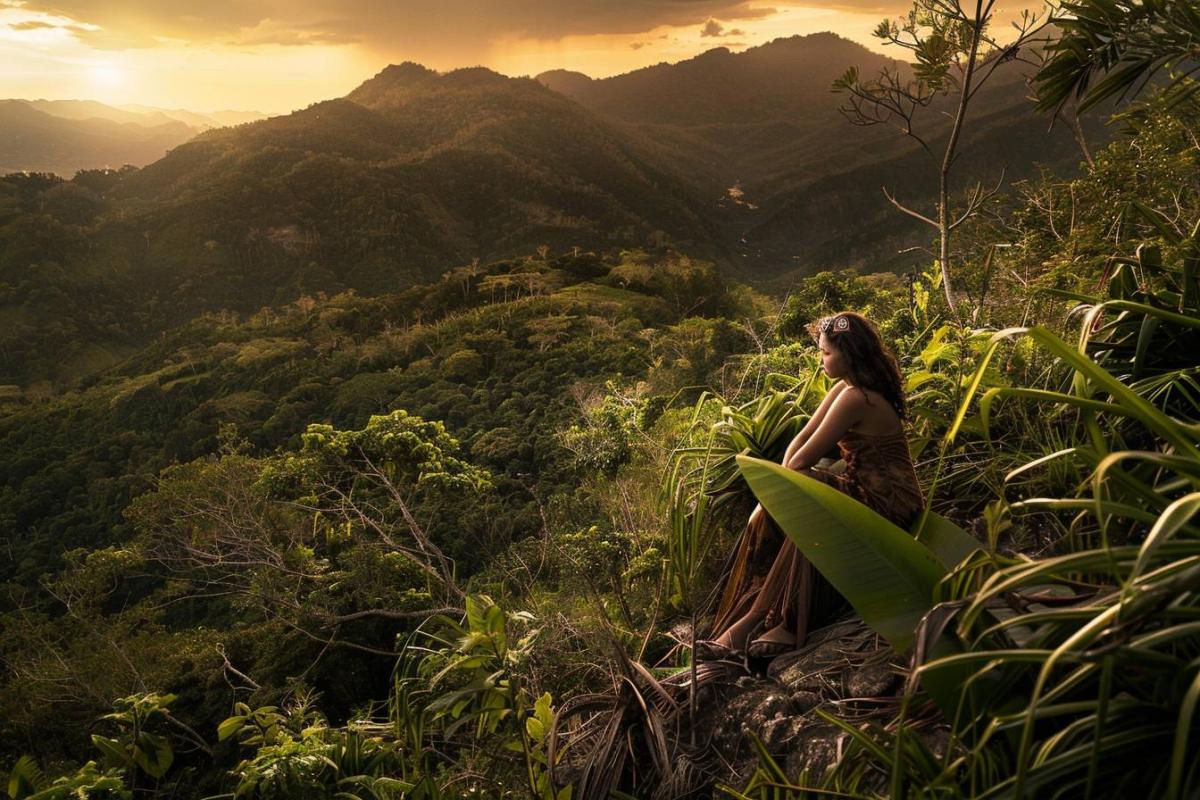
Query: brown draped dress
(879, 473)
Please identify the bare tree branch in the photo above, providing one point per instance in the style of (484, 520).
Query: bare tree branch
(906, 209)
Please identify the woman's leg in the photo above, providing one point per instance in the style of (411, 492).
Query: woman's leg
(785, 597)
(735, 620)
(782, 603)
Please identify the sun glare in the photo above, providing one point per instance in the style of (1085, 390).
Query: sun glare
(105, 76)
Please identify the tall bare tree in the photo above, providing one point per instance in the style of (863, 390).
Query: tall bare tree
(955, 54)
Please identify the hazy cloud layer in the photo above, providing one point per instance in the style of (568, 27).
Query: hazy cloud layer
(381, 24)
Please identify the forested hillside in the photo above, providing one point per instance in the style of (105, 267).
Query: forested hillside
(505, 356)
(809, 184)
(394, 185)
(493, 352)
(741, 159)
(458, 535)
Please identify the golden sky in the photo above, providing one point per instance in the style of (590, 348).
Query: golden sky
(279, 55)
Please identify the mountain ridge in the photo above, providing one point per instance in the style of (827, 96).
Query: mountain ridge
(415, 172)
(35, 141)
(371, 196)
(64, 136)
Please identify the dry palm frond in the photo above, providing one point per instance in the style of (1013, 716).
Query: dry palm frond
(630, 737)
(685, 779)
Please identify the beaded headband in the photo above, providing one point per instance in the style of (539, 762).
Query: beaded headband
(837, 323)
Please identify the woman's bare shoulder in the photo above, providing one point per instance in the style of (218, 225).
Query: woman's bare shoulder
(878, 416)
(851, 396)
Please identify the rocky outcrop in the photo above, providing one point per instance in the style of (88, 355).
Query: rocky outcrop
(645, 738)
(844, 669)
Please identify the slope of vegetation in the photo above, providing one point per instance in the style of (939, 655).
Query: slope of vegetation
(452, 541)
(375, 192)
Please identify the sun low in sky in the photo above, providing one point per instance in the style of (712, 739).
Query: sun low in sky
(279, 55)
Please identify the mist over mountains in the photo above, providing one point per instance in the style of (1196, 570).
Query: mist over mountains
(142, 114)
(65, 136)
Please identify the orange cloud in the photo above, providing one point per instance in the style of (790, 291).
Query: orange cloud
(386, 23)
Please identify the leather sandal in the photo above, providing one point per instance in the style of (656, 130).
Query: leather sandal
(763, 648)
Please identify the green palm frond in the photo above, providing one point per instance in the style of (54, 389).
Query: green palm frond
(1113, 48)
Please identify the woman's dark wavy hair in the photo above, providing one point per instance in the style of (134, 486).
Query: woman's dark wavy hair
(870, 363)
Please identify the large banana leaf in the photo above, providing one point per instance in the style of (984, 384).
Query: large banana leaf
(948, 542)
(886, 574)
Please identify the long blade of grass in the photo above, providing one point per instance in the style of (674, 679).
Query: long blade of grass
(1171, 521)
(1179, 753)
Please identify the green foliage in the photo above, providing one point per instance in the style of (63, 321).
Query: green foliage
(370, 481)
(138, 748)
(403, 448)
(1113, 48)
(1144, 330)
(1107, 408)
(77, 460)
(464, 365)
(27, 782)
(205, 556)
(135, 748)
(689, 287)
(254, 726)
(939, 378)
(463, 680)
(314, 762)
(608, 433)
(825, 293)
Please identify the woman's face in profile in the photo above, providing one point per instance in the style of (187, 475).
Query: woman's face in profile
(832, 360)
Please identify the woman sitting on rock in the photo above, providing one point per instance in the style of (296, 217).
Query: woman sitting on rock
(863, 415)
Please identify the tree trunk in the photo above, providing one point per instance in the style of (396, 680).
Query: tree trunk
(948, 160)
(943, 221)
(1077, 128)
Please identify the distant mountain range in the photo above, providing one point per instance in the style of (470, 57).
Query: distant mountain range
(740, 158)
(753, 119)
(143, 115)
(64, 136)
(409, 174)
(798, 187)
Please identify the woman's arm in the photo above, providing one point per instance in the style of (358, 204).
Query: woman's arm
(814, 422)
(813, 425)
(844, 413)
